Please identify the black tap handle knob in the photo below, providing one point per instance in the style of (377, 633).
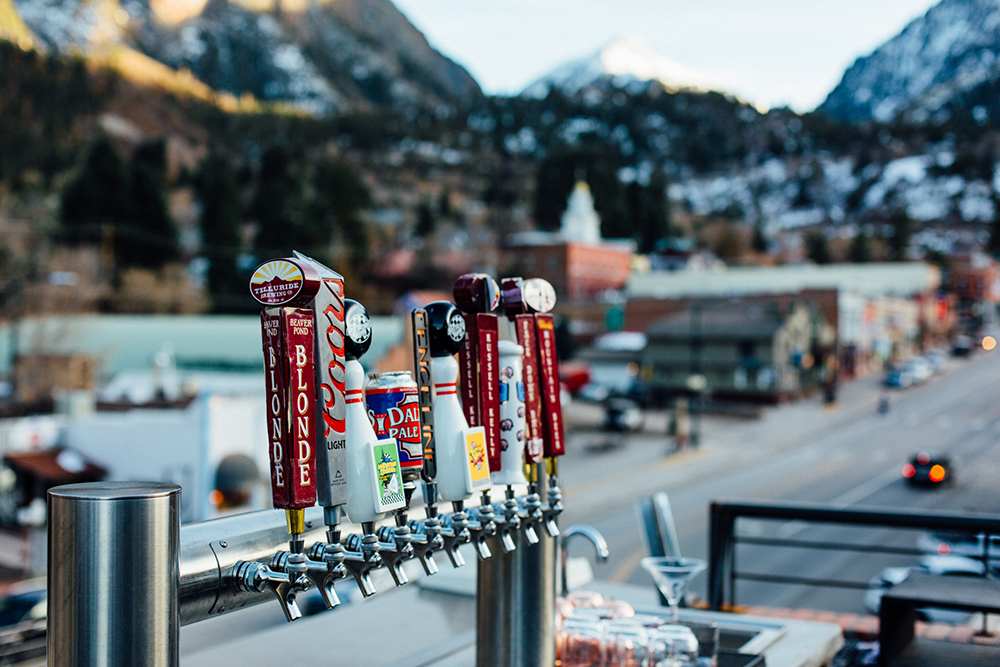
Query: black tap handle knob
(446, 328)
(359, 330)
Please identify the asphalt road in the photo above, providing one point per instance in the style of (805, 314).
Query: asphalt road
(846, 453)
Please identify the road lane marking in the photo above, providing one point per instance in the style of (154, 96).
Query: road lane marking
(865, 489)
(625, 570)
(630, 474)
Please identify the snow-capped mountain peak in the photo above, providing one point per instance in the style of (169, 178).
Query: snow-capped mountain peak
(623, 61)
(937, 58)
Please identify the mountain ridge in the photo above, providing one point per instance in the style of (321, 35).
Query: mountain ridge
(324, 57)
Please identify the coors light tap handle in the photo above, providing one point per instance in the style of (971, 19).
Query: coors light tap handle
(289, 346)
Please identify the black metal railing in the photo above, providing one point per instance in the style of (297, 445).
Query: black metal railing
(723, 538)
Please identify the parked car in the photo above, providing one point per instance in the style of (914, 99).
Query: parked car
(961, 346)
(928, 469)
(622, 414)
(935, 565)
(899, 377)
(23, 615)
(960, 544)
(938, 359)
(919, 369)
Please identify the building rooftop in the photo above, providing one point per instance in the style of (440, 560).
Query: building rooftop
(882, 278)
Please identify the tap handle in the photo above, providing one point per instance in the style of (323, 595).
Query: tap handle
(258, 577)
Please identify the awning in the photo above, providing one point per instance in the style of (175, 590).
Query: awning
(59, 465)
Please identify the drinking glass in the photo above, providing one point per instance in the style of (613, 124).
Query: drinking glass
(672, 576)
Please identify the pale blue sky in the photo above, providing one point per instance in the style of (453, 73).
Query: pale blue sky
(769, 52)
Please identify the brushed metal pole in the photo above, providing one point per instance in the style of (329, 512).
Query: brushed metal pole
(113, 564)
(515, 603)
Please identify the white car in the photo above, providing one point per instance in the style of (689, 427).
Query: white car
(936, 565)
(919, 369)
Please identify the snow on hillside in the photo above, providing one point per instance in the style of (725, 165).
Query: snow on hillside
(621, 62)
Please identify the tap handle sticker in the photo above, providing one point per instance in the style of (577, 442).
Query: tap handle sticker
(526, 338)
(425, 396)
(285, 282)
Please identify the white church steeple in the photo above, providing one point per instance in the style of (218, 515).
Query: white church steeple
(580, 221)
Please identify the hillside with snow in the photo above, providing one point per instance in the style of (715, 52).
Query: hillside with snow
(619, 64)
(952, 49)
(324, 57)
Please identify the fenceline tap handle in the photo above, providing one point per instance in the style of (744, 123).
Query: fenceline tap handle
(532, 516)
(481, 527)
(395, 548)
(258, 577)
(360, 561)
(455, 533)
(425, 537)
(552, 510)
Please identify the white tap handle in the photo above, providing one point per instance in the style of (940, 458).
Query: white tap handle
(459, 471)
(361, 437)
(512, 421)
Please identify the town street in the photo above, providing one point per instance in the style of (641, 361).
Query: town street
(841, 454)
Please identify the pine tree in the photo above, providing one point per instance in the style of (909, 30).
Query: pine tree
(860, 250)
(220, 232)
(275, 204)
(97, 198)
(900, 241)
(993, 244)
(340, 197)
(149, 239)
(817, 248)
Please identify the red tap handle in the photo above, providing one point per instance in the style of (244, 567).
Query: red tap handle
(289, 345)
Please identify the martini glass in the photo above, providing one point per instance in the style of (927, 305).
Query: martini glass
(671, 576)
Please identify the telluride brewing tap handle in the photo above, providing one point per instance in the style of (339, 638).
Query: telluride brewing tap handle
(289, 358)
(289, 342)
(426, 539)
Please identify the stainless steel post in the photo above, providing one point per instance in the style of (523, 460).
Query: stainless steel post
(113, 574)
(515, 603)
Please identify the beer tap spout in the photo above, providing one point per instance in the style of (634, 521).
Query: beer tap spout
(455, 533)
(326, 566)
(361, 557)
(258, 577)
(317, 572)
(531, 516)
(395, 548)
(510, 523)
(552, 510)
(425, 537)
(482, 526)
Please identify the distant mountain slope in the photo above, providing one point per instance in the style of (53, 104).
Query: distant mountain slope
(12, 27)
(953, 48)
(621, 63)
(321, 55)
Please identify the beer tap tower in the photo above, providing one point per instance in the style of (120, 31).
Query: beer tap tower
(322, 447)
